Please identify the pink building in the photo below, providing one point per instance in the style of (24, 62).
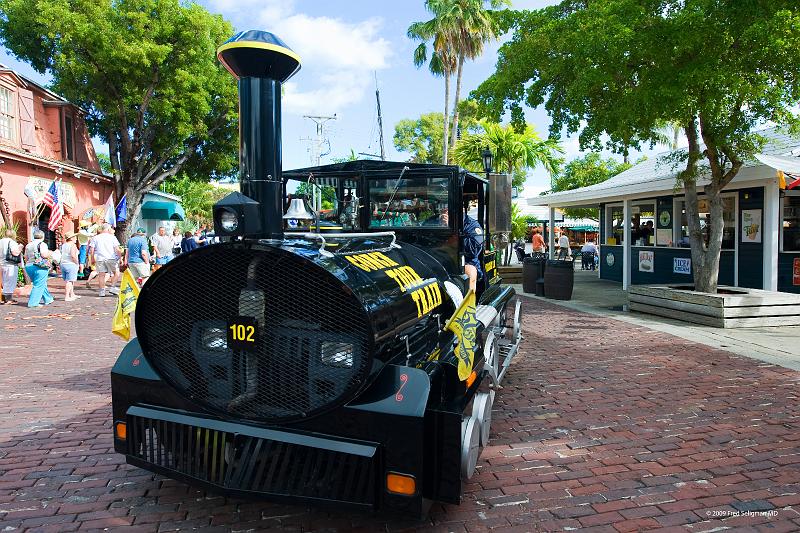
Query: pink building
(43, 138)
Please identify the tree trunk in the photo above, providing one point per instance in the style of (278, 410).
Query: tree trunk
(134, 206)
(446, 116)
(454, 134)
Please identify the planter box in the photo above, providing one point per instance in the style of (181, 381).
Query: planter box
(731, 307)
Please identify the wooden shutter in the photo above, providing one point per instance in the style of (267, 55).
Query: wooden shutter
(27, 126)
(80, 137)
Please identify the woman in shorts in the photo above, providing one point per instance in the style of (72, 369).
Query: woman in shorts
(69, 265)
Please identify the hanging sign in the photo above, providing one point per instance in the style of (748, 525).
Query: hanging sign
(682, 265)
(751, 225)
(646, 260)
(38, 186)
(796, 271)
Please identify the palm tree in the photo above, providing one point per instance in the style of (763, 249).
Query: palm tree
(512, 151)
(440, 36)
(474, 26)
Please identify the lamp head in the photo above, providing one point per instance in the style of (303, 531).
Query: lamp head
(488, 158)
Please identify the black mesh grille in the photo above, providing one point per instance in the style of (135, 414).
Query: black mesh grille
(312, 351)
(250, 463)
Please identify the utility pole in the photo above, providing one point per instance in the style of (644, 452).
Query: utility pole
(380, 117)
(316, 151)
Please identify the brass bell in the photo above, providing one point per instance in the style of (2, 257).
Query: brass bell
(298, 211)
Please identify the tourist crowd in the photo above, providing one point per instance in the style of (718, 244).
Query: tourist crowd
(93, 252)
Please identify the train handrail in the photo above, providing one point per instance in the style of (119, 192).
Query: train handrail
(321, 237)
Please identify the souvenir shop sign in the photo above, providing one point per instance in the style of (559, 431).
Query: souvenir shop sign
(40, 186)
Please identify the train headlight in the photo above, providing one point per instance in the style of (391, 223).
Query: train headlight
(337, 354)
(214, 339)
(229, 221)
(236, 215)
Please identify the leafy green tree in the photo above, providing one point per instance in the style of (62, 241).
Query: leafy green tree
(617, 70)
(437, 34)
(147, 74)
(422, 137)
(352, 156)
(474, 25)
(582, 172)
(512, 151)
(458, 31)
(197, 197)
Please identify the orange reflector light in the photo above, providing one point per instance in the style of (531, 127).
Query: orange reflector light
(471, 378)
(121, 430)
(401, 484)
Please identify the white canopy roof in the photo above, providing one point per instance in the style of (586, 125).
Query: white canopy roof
(657, 176)
(784, 163)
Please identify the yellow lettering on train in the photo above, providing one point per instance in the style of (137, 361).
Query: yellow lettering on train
(371, 261)
(490, 265)
(405, 276)
(427, 299)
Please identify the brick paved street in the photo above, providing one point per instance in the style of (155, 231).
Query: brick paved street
(601, 425)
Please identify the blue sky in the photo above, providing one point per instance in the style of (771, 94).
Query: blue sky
(343, 43)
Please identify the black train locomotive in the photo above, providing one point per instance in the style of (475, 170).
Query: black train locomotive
(315, 363)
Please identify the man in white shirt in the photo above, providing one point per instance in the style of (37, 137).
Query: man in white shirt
(563, 247)
(588, 252)
(106, 251)
(162, 246)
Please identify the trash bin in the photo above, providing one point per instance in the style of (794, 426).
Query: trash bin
(540, 287)
(559, 278)
(531, 271)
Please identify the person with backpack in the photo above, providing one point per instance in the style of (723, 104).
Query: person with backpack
(10, 261)
(38, 265)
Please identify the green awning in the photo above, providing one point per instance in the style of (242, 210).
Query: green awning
(153, 210)
(582, 228)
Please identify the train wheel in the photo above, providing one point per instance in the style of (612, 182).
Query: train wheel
(517, 326)
(470, 446)
(491, 357)
(482, 413)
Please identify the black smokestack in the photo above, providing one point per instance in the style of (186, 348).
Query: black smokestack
(262, 63)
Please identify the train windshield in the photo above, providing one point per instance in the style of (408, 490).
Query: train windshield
(409, 202)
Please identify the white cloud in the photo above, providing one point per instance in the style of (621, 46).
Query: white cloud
(338, 57)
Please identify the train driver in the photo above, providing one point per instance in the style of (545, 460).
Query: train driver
(472, 244)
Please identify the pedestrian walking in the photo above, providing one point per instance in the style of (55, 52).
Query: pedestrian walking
(188, 243)
(137, 255)
(37, 265)
(564, 251)
(176, 241)
(537, 242)
(162, 246)
(106, 254)
(69, 265)
(588, 253)
(85, 234)
(10, 261)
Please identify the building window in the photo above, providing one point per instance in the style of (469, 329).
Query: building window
(69, 142)
(728, 217)
(643, 219)
(615, 228)
(791, 223)
(6, 114)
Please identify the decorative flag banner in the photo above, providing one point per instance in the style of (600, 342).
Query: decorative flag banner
(122, 209)
(53, 200)
(126, 304)
(110, 216)
(465, 325)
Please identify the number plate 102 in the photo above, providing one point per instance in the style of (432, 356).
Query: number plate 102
(243, 333)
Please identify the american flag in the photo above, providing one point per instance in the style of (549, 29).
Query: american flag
(52, 200)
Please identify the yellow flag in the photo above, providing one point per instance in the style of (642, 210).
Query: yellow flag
(128, 293)
(464, 324)
(781, 180)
